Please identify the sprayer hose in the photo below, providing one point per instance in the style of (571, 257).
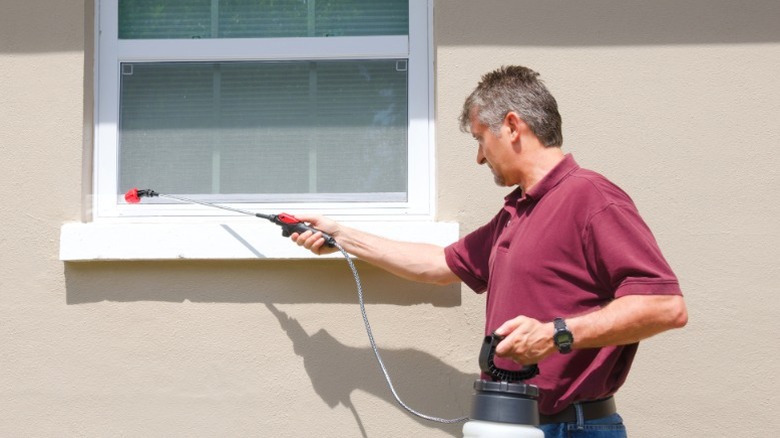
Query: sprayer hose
(376, 349)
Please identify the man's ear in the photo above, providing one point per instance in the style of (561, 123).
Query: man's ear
(515, 124)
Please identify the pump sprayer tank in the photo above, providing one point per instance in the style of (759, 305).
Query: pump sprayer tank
(504, 407)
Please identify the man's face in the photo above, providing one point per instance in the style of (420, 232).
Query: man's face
(493, 149)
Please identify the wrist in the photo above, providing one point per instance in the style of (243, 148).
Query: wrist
(550, 347)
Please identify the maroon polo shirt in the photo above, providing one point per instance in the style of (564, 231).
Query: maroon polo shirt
(568, 246)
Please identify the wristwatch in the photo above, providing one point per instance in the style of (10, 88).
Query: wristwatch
(562, 337)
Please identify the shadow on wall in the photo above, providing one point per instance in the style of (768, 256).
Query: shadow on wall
(39, 26)
(34, 26)
(428, 385)
(607, 22)
(246, 281)
(425, 382)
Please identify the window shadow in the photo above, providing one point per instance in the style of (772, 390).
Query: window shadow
(43, 26)
(608, 22)
(38, 26)
(246, 281)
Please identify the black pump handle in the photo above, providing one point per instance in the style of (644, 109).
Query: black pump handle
(499, 374)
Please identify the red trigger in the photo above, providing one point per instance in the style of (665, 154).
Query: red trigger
(288, 219)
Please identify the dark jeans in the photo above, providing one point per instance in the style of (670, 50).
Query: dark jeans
(607, 427)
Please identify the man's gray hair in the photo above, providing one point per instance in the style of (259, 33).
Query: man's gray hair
(518, 89)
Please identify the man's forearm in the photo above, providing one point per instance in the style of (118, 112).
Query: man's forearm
(627, 320)
(413, 261)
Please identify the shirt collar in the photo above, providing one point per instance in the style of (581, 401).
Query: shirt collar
(552, 179)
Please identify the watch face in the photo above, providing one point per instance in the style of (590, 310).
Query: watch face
(564, 338)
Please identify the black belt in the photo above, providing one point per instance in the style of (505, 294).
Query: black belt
(590, 411)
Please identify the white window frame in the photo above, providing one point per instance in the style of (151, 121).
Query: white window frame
(118, 231)
(417, 48)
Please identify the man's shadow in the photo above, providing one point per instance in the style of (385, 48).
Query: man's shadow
(422, 381)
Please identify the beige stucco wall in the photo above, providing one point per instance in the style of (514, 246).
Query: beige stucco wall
(676, 101)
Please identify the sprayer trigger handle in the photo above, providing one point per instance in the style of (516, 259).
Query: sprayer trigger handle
(291, 224)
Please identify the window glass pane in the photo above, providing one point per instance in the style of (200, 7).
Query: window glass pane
(246, 128)
(167, 19)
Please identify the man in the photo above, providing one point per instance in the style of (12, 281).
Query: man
(574, 277)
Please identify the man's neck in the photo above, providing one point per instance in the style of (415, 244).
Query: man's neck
(537, 164)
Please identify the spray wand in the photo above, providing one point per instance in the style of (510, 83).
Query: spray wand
(289, 223)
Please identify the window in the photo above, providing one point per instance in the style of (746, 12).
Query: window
(267, 104)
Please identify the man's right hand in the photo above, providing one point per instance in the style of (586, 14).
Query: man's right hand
(314, 242)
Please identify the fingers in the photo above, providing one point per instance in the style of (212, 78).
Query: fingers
(309, 240)
(508, 327)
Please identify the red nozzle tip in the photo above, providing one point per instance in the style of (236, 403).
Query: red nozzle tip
(132, 196)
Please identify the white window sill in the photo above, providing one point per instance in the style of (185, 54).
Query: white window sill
(217, 240)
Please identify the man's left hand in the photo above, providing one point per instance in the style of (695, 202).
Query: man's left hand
(526, 340)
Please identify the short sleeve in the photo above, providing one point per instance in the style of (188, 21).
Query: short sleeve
(469, 258)
(624, 256)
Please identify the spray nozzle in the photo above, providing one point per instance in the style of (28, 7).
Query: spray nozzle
(133, 196)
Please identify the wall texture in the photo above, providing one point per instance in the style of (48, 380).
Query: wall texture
(676, 101)
(679, 103)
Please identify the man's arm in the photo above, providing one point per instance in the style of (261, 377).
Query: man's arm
(413, 261)
(625, 320)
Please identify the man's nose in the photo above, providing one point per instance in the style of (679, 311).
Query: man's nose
(480, 156)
